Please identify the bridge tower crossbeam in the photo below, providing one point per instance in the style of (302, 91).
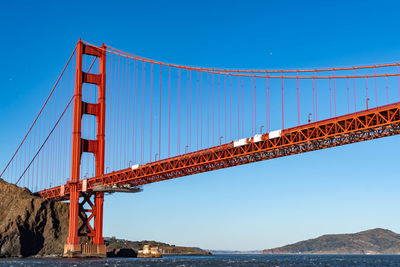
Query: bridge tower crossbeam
(96, 247)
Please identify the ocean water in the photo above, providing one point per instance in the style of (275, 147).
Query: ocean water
(219, 260)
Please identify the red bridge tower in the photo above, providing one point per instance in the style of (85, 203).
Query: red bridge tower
(95, 247)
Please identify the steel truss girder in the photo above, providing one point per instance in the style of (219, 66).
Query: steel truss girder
(356, 127)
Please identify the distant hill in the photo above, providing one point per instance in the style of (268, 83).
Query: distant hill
(375, 241)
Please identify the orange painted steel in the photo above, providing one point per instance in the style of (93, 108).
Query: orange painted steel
(356, 127)
(73, 239)
(79, 146)
(250, 73)
(122, 53)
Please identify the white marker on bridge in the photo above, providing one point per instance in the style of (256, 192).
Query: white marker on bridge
(135, 166)
(240, 142)
(257, 138)
(274, 134)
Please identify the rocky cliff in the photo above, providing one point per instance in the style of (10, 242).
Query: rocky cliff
(30, 225)
(375, 241)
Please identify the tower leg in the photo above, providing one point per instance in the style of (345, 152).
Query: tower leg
(73, 247)
(98, 240)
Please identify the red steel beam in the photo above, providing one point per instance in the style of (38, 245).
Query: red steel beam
(356, 127)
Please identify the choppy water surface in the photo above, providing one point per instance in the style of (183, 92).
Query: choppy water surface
(219, 260)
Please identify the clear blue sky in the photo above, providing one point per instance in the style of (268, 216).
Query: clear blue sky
(261, 205)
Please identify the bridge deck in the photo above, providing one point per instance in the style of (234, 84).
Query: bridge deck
(356, 127)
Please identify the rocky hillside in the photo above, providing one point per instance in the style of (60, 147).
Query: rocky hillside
(30, 225)
(113, 244)
(375, 241)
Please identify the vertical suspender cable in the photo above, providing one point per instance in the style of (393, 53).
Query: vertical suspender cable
(52, 164)
(238, 106)
(348, 97)
(208, 111)
(213, 113)
(143, 108)
(219, 106)
(334, 90)
(30, 170)
(169, 111)
(376, 90)
(266, 101)
(330, 99)
(230, 107)
(283, 112)
(35, 165)
(398, 81)
(41, 155)
(58, 141)
(190, 109)
(313, 98)
(197, 110)
(255, 105)
(179, 113)
(242, 109)
(269, 105)
(126, 102)
(187, 108)
(117, 115)
(107, 148)
(113, 112)
(37, 144)
(136, 129)
(129, 98)
(366, 91)
(387, 90)
(298, 100)
(116, 154)
(252, 106)
(120, 130)
(159, 120)
(201, 110)
(125, 107)
(151, 113)
(355, 92)
(225, 137)
(316, 97)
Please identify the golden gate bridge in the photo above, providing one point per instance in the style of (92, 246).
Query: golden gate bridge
(115, 121)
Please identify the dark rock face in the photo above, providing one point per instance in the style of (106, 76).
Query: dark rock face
(375, 241)
(30, 225)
